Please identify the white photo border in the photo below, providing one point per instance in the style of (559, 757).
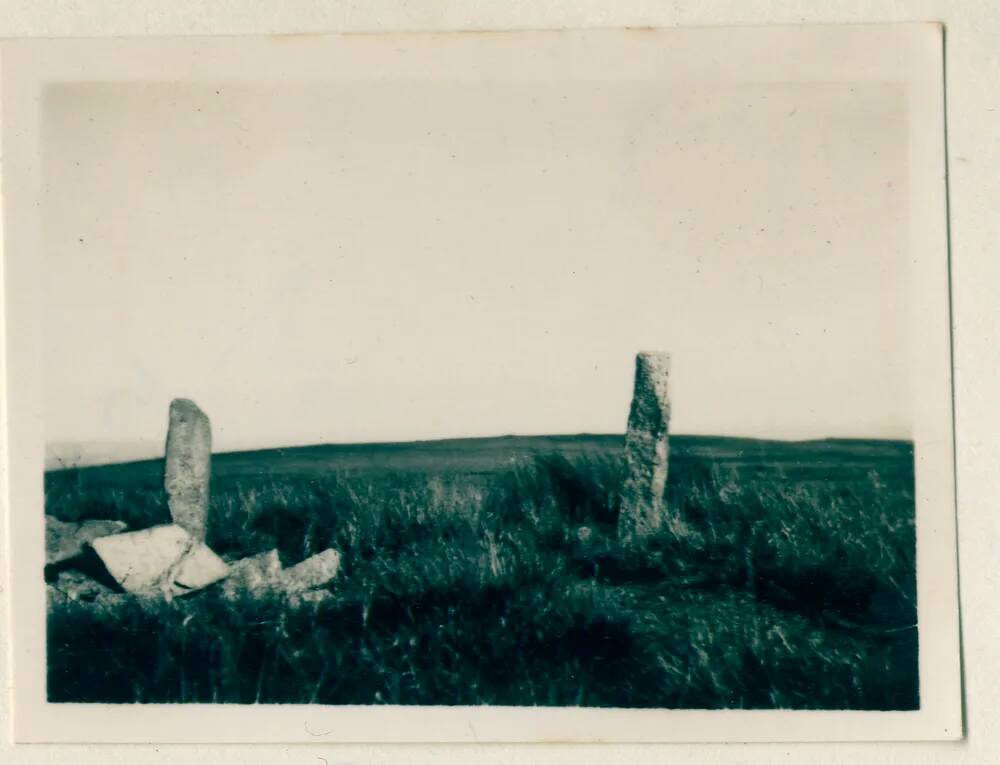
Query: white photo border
(909, 54)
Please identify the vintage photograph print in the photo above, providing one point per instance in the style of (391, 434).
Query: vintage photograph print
(595, 371)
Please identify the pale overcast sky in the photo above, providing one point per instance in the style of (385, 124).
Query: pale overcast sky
(395, 261)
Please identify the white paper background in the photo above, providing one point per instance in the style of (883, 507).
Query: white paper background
(973, 110)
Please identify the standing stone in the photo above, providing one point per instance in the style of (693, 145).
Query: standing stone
(188, 466)
(643, 507)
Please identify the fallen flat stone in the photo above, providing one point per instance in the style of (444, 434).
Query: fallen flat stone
(66, 540)
(647, 447)
(159, 560)
(188, 466)
(255, 576)
(138, 560)
(312, 573)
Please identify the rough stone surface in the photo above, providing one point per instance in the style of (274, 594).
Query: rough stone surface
(188, 466)
(138, 560)
(256, 576)
(312, 573)
(162, 560)
(74, 587)
(309, 598)
(64, 540)
(647, 447)
(198, 568)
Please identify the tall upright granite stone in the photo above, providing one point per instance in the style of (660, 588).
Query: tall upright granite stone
(188, 466)
(643, 507)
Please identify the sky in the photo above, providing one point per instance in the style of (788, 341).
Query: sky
(340, 262)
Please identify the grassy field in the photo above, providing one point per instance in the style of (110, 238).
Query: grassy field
(489, 571)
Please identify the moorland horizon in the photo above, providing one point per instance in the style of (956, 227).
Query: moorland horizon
(99, 452)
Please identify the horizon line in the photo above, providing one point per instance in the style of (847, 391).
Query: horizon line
(418, 441)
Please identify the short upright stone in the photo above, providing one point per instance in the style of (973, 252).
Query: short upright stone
(188, 466)
(643, 507)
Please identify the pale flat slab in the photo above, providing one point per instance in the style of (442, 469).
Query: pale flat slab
(138, 559)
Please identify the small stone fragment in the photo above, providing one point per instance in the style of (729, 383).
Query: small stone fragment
(74, 587)
(78, 586)
(197, 569)
(65, 540)
(312, 573)
(309, 598)
(188, 466)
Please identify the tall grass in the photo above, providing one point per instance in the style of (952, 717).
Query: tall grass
(516, 590)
